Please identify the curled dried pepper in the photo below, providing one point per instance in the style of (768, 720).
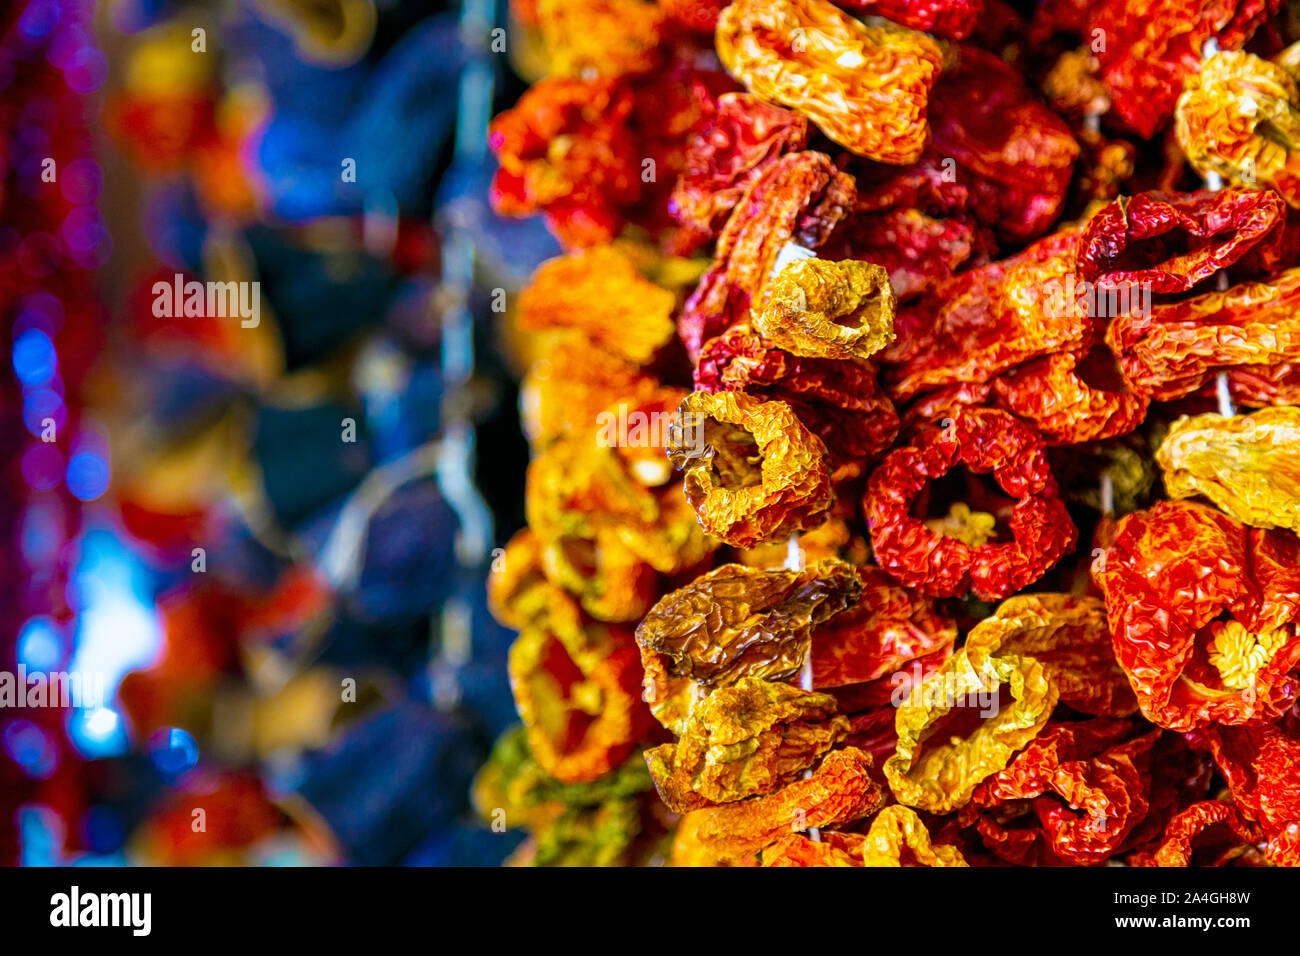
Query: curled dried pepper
(1069, 637)
(1213, 832)
(1088, 786)
(984, 440)
(956, 729)
(1203, 615)
(1066, 407)
(839, 791)
(754, 472)
(1173, 241)
(1239, 117)
(1248, 331)
(578, 695)
(800, 197)
(820, 309)
(865, 87)
(1248, 465)
(841, 402)
(599, 292)
(740, 137)
(736, 621)
(748, 738)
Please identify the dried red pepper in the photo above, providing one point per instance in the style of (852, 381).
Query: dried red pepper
(983, 440)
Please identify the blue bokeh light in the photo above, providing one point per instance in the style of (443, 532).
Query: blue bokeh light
(173, 751)
(34, 357)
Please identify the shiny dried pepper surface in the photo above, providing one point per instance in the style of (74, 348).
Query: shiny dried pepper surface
(738, 622)
(889, 627)
(835, 310)
(980, 323)
(957, 727)
(754, 472)
(799, 197)
(1172, 241)
(1248, 465)
(983, 440)
(1248, 331)
(1069, 637)
(1087, 784)
(1240, 117)
(600, 293)
(579, 698)
(865, 87)
(749, 738)
(839, 791)
(1203, 615)
(1149, 47)
(841, 402)
(740, 137)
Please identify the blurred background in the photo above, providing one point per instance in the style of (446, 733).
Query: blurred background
(265, 545)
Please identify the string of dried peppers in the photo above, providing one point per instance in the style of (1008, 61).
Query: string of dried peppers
(910, 280)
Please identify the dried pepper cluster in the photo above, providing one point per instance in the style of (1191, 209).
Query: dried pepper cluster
(916, 447)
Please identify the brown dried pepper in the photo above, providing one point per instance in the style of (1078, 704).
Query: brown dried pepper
(738, 622)
(889, 627)
(865, 87)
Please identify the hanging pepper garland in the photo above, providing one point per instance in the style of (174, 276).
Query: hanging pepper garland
(944, 281)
